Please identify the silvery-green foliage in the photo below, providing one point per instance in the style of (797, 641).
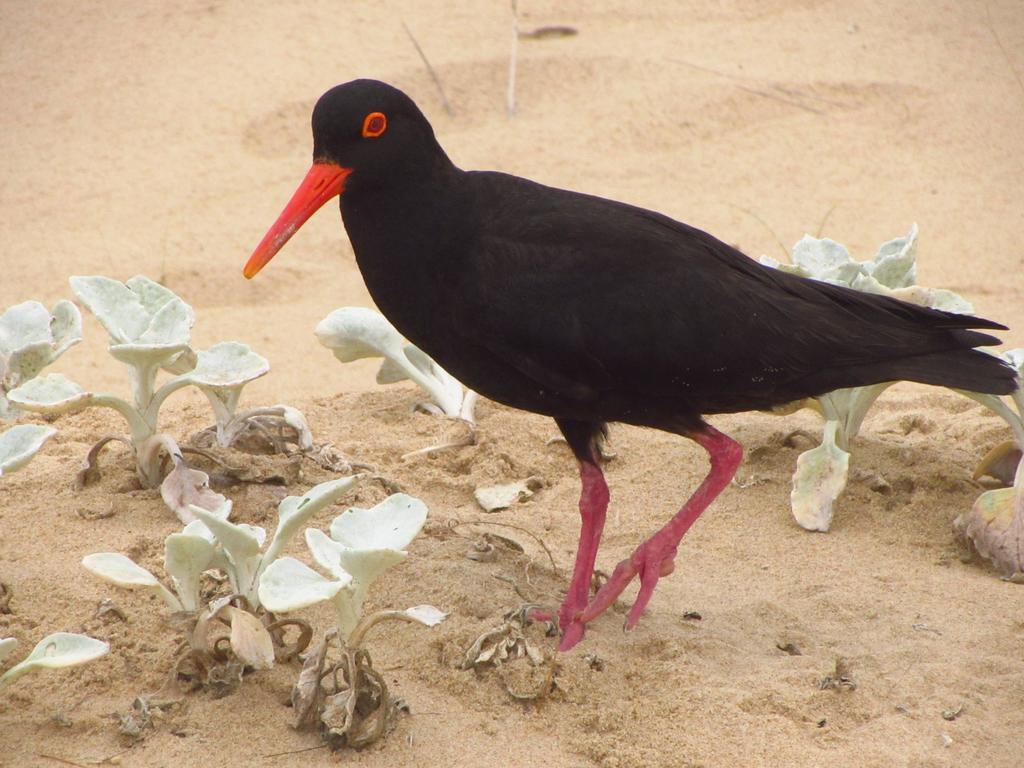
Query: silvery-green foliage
(240, 546)
(220, 373)
(354, 333)
(186, 555)
(20, 443)
(150, 330)
(994, 526)
(212, 542)
(819, 479)
(31, 338)
(363, 543)
(820, 476)
(61, 649)
(893, 266)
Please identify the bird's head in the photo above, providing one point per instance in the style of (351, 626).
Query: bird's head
(365, 133)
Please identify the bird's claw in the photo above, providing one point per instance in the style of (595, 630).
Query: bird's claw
(568, 618)
(650, 562)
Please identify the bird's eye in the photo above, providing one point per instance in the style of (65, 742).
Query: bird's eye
(374, 124)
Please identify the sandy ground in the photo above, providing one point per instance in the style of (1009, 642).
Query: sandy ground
(163, 139)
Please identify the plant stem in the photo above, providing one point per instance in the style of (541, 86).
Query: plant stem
(143, 377)
(147, 458)
(367, 623)
(169, 598)
(157, 399)
(139, 427)
(431, 385)
(1001, 409)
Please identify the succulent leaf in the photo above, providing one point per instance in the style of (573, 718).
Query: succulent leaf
(61, 649)
(20, 443)
(819, 479)
(392, 524)
(288, 585)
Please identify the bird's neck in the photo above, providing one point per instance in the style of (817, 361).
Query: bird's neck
(402, 235)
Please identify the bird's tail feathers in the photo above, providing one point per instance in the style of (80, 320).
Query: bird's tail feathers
(969, 369)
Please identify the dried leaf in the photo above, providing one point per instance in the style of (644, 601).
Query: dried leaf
(497, 497)
(427, 615)
(360, 711)
(184, 487)
(338, 711)
(90, 471)
(306, 693)
(999, 463)
(995, 528)
(250, 640)
(224, 679)
(533, 653)
(548, 32)
(503, 643)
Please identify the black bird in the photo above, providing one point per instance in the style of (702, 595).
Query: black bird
(593, 311)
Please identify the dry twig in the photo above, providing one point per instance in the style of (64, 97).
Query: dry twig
(433, 75)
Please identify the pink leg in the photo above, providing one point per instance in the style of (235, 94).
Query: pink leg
(656, 556)
(593, 506)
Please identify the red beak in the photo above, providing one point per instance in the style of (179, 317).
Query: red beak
(323, 182)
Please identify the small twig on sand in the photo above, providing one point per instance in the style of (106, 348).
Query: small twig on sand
(711, 70)
(60, 760)
(821, 226)
(782, 99)
(211, 457)
(437, 80)
(759, 92)
(1002, 48)
(295, 751)
(763, 223)
(461, 442)
(510, 96)
(457, 523)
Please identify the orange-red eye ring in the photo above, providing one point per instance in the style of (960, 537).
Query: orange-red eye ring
(374, 124)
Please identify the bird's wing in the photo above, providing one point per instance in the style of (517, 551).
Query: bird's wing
(590, 297)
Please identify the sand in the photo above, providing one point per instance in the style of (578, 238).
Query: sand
(163, 139)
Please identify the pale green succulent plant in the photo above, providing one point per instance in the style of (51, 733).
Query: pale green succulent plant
(20, 443)
(56, 651)
(355, 333)
(994, 526)
(821, 473)
(363, 543)
(236, 549)
(32, 338)
(150, 330)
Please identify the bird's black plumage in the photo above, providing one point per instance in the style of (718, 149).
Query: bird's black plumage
(593, 311)
(577, 306)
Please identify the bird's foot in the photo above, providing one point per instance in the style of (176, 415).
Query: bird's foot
(572, 633)
(650, 561)
(572, 628)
